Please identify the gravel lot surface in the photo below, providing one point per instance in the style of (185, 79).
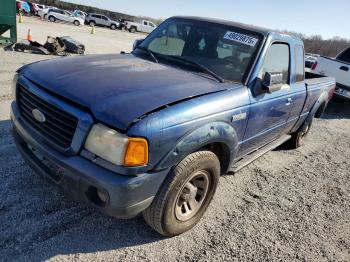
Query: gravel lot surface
(288, 205)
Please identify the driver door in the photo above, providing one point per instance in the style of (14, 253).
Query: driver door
(269, 112)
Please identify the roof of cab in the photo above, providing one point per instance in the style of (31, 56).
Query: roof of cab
(264, 31)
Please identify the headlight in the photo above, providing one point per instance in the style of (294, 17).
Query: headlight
(117, 148)
(13, 87)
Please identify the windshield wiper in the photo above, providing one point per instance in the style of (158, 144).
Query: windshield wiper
(149, 52)
(199, 66)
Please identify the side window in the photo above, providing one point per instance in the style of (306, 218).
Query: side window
(345, 56)
(145, 23)
(299, 63)
(104, 18)
(277, 60)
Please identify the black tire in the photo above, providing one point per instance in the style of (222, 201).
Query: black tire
(133, 30)
(76, 22)
(52, 18)
(113, 27)
(298, 138)
(166, 215)
(92, 23)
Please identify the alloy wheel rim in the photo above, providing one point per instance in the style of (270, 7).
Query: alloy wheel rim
(192, 195)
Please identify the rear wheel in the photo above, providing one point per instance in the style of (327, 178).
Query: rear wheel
(92, 23)
(52, 18)
(77, 23)
(132, 30)
(298, 138)
(185, 194)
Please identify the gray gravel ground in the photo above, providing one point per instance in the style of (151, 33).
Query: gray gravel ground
(288, 205)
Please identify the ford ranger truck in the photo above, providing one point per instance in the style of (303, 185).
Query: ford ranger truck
(152, 131)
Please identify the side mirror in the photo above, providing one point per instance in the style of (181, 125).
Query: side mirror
(273, 81)
(137, 43)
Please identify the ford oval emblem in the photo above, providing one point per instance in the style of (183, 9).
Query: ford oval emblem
(38, 115)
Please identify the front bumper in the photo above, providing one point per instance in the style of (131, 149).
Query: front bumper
(127, 196)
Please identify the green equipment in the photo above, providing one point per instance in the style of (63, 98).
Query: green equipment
(8, 21)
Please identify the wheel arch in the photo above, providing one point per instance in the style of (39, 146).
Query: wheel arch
(219, 137)
(317, 110)
(321, 109)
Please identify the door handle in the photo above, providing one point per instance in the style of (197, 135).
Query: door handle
(344, 68)
(289, 101)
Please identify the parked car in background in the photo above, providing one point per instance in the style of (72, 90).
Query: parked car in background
(43, 12)
(122, 23)
(310, 59)
(144, 26)
(339, 68)
(101, 20)
(152, 131)
(64, 16)
(81, 14)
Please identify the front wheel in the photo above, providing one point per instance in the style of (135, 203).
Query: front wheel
(77, 23)
(185, 194)
(113, 27)
(52, 19)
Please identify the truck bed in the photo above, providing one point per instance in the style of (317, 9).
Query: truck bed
(316, 79)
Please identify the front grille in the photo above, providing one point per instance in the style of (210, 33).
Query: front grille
(59, 126)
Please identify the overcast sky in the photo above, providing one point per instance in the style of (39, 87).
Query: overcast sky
(323, 17)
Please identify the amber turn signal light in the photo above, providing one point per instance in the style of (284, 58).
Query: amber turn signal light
(136, 153)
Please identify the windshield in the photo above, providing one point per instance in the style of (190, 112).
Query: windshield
(226, 51)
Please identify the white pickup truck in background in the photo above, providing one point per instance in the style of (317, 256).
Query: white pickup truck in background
(339, 68)
(144, 26)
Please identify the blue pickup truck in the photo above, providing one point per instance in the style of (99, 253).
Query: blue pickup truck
(151, 131)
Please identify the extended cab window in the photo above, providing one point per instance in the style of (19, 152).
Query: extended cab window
(225, 50)
(299, 63)
(345, 56)
(277, 61)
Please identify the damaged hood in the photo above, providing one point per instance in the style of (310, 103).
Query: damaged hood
(118, 89)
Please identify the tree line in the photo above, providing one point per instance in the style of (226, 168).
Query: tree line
(313, 44)
(317, 45)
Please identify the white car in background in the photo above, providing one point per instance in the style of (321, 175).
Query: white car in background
(43, 12)
(144, 26)
(339, 68)
(310, 59)
(64, 16)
